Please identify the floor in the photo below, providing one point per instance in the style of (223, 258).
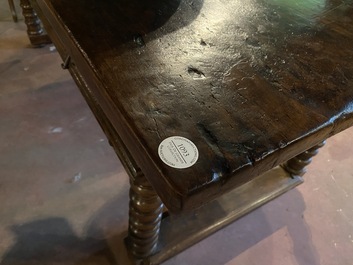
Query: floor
(63, 191)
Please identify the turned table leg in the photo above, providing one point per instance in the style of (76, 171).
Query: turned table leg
(145, 214)
(297, 165)
(35, 31)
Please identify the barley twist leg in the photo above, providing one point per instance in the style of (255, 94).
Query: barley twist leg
(145, 213)
(35, 31)
(297, 165)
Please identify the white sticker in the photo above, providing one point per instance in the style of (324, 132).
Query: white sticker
(178, 152)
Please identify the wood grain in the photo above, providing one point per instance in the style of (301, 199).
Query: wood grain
(252, 83)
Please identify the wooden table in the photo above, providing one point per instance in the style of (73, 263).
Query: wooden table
(214, 107)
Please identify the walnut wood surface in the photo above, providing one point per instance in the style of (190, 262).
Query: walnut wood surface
(252, 83)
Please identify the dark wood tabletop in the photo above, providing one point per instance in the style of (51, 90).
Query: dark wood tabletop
(251, 83)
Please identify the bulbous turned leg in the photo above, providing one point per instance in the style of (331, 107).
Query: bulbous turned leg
(297, 165)
(145, 214)
(35, 31)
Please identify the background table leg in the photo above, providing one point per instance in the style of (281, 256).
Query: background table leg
(296, 165)
(145, 214)
(13, 10)
(35, 31)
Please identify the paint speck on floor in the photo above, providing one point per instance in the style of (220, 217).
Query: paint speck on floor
(55, 130)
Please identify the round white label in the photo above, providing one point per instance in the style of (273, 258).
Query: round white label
(178, 152)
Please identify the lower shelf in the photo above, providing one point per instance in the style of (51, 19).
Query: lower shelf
(182, 231)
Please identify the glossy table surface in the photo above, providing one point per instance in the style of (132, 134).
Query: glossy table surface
(251, 83)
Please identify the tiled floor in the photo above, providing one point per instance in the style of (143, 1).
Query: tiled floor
(63, 192)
